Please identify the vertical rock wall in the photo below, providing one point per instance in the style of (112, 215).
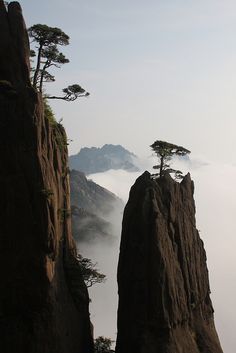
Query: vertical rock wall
(164, 294)
(43, 299)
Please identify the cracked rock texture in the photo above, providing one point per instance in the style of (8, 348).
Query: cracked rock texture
(43, 298)
(164, 294)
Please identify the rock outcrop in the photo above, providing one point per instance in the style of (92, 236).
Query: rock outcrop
(43, 298)
(164, 294)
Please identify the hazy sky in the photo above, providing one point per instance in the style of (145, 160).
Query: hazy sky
(159, 69)
(155, 70)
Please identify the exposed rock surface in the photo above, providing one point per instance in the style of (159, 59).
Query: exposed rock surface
(97, 160)
(164, 294)
(43, 298)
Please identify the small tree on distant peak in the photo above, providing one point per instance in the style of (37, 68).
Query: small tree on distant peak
(165, 152)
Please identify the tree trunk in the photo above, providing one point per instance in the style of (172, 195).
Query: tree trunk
(161, 166)
(41, 79)
(38, 66)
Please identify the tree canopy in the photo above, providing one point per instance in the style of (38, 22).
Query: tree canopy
(102, 345)
(165, 151)
(47, 55)
(89, 271)
(71, 93)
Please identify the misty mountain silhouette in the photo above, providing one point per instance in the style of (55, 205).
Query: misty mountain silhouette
(96, 160)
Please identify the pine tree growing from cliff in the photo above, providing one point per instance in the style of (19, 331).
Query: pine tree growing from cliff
(47, 55)
(165, 151)
(89, 271)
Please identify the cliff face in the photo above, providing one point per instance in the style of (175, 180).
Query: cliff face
(43, 299)
(164, 302)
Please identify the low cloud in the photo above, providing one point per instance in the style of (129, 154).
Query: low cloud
(117, 181)
(104, 299)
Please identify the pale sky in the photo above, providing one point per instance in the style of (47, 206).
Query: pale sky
(159, 69)
(155, 70)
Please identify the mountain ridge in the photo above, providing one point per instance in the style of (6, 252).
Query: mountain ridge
(96, 160)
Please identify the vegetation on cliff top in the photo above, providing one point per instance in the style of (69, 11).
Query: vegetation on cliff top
(165, 151)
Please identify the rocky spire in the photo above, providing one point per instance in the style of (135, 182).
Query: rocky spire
(43, 299)
(164, 294)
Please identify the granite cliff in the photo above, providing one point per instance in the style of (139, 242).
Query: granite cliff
(43, 298)
(164, 293)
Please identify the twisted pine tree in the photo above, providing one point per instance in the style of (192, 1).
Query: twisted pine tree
(165, 151)
(47, 55)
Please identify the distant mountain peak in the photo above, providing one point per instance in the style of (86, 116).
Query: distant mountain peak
(92, 160)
